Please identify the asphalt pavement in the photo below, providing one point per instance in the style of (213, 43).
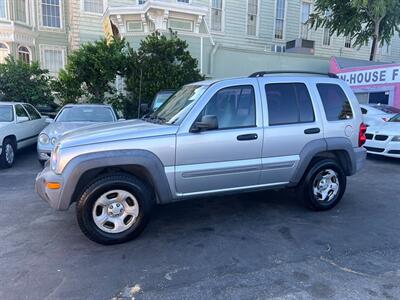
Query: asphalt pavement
(250, 246)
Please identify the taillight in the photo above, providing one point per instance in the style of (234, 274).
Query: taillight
(361, 136)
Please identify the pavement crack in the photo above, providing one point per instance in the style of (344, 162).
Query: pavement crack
(344, 269)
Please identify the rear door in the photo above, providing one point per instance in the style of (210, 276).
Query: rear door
(292, 121)
(38, 123)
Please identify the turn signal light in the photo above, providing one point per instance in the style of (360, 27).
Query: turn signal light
(53, 185)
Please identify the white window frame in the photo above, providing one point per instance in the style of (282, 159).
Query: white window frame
(257, 21)
(184, 1)
(325, 29)
(222, 18)
(301, 18)
(7, 7)
(29, 52)
(93, 13)
(27, 14)
(346, 40)
(44, 47)
(143, 2)
(48, 28)
(284, 21)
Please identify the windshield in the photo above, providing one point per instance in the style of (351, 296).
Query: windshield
(85, 114)
(396, 118)
(176, 107)
(6, 113)
(161, 98)
(388, 109)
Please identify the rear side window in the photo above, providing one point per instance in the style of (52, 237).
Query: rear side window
(364, 111)
(336, 104)
(289, 103)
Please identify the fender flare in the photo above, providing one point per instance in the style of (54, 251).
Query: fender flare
(114, 158)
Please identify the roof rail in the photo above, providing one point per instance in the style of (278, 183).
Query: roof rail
(263, 73)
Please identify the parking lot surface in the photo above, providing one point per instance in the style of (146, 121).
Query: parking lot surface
(250, 246)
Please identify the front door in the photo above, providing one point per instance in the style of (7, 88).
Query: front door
(226, 158)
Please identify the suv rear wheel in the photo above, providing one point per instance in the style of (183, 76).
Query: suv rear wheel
(324, 185)
(7, 156)
(114, 209)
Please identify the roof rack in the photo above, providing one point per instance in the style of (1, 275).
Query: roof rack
(263, 73)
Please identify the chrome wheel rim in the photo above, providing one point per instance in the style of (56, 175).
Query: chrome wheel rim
(326, 185)
(9, 150)
(115, 211)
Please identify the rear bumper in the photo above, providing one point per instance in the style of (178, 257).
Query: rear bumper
(360, 157)
(53, 197)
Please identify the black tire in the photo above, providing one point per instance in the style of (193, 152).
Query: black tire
(143, 194)
(307, 186)
(3, 161)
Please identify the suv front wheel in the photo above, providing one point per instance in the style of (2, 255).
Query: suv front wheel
(324, 185)
(114, 209)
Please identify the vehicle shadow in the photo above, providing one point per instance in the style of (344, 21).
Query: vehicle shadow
(383, 159)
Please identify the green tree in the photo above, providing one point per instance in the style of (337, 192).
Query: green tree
(359, 19)
(91, 71)
(163, 62)
(24, 82)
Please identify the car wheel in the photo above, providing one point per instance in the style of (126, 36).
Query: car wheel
(324, 185)
(7, 156)
(114, 209)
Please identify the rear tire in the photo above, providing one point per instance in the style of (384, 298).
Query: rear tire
(324, 185)
(114, 209)
(7, 157)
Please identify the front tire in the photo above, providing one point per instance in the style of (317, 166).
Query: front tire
(7, 156)
(324, 185)
(114, 209)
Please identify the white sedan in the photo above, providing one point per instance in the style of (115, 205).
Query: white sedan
(374, 114)
(384, 139)
(20, 125)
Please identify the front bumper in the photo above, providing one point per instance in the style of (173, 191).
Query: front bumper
(44, 151)
(51, 196)
(384, 148)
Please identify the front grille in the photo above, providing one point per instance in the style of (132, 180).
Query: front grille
(373, 149)
(369, 136)
(380, 137)
(394, 152)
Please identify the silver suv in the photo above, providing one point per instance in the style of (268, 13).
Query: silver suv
(212, 137)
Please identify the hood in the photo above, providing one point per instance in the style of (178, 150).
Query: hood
(115, 132)
(57, 129)
(388, 128)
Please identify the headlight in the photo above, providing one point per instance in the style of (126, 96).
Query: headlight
(396, 138)
(54, 158)
(53, 141)
(44, 138)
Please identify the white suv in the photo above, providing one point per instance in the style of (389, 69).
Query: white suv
(20, 125)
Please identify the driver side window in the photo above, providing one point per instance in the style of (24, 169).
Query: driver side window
(234, 107)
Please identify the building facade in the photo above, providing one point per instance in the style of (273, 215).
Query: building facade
(47, 30)
(228, 37)
(236, 37)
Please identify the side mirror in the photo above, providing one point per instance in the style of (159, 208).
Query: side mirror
(22, 119)
(144, 108)
(49, 120)
(208, 122)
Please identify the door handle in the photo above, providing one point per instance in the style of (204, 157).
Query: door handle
(247, 137)
(312, 130)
